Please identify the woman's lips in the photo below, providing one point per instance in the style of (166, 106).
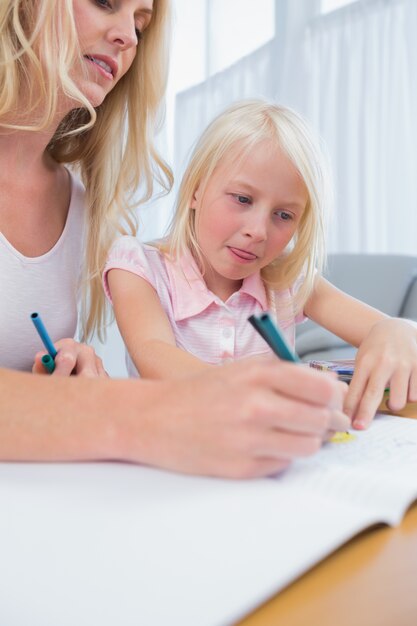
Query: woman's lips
(242, 255)
(103, 66)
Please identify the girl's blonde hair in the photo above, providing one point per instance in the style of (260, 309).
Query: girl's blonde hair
(112, 145)
(232, 135)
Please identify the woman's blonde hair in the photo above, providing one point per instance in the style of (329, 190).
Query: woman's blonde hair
(232, 135)
(112, 145)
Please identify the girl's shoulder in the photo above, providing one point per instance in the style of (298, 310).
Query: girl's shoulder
(129, 253)
(131, 248)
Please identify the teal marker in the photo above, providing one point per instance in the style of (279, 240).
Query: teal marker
(48, 360)
(48, 363)
(270, 332)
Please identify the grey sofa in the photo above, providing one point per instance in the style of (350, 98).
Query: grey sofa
(387, 282)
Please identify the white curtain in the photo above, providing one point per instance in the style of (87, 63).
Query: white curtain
(353, 73)
(362, 96)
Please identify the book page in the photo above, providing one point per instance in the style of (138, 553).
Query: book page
(375, 469)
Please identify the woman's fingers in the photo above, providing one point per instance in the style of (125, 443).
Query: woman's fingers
(89, 365)
(37, 367)
(297, 416)
(299, 382)
(73, 358)
(65, 361)
(288, 446)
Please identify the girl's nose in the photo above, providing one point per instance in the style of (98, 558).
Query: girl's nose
(256, 228)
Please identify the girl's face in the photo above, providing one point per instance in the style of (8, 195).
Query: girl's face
(109, 32)
(247, 216)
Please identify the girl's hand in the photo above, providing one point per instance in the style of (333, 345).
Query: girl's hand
(386, 358)
(73, 358)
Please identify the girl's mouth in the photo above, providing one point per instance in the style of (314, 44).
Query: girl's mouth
(242, 255)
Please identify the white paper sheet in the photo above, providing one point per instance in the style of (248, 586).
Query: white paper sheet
(106, 544)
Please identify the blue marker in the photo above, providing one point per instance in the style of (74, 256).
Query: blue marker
(48, 360)
(273, 337)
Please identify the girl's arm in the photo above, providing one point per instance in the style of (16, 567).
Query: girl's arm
(146, 330)
(387, 354)
(340, 313)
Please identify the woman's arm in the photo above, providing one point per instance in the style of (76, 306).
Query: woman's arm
(387, 355)
(146, 330)
(246, 419)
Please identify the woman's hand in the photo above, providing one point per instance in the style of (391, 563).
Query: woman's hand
(247, 419)
(73, 358)
(386, 358)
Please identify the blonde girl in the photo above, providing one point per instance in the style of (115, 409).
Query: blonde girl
(247, 235)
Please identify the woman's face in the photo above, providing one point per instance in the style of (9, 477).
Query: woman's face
(109, 33)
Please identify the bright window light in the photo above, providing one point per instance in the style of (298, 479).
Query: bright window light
(236, 28)
(331, 5)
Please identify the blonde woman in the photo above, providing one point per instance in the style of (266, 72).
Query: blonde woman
(248, 236)
(72, 110)
(74, 75)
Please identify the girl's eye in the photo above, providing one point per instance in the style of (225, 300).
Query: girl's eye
(139, 34)
(242, 199)
(284, 216)
(104, 3)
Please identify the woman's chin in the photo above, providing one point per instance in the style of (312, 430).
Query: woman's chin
(94, 93)
(95, 96)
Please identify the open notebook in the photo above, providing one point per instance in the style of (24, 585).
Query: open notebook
(121, 544)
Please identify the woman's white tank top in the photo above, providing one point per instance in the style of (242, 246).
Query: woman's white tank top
(47, 284)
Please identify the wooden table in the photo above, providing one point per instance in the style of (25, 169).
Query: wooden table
(370, 581)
